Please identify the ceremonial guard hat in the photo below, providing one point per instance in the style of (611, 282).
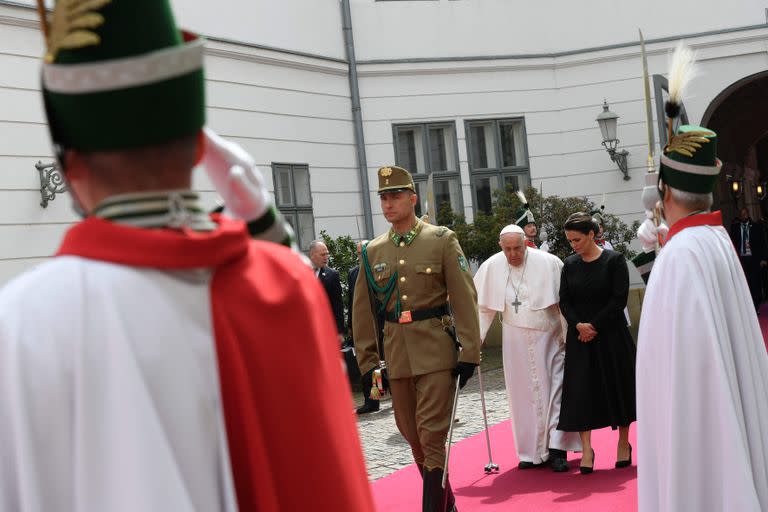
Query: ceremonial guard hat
(394, 179)
(689, 159)
(524, 215)
(119, 74)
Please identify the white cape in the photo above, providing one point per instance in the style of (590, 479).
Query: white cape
(66, 338)
(702, 382)
(491, 283)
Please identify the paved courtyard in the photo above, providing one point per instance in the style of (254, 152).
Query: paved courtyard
(385, 449)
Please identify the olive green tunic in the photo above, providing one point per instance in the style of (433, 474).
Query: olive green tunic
(430, 267)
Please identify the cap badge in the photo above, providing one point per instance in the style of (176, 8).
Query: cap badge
(386, 171)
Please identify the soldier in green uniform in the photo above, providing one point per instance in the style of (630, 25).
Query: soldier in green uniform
(410, 272)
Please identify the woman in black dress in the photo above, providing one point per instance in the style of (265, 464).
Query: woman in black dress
(599, 374)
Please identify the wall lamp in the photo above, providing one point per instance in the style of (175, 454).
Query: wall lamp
(760, 191)
(51, 182)
(607, 121)
(735, 185)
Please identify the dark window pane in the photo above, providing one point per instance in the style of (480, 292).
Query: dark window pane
(410, 148)
(479, 154)
(514, 181)
(448, 191)
(406, 149)
(301, 186)
(306, 229)
(437, 149)
(508, 144)
(484, 188)
(283, 193)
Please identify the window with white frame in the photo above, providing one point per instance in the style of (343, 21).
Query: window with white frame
(430, 148)
(498, 157)
(294, 200)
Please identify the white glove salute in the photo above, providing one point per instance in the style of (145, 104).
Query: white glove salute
(648, 232)
(240, 184)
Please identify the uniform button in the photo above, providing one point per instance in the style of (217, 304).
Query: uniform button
(405, 297)
(429, 270)
(402, 262)
(402, 244)
(402, 279)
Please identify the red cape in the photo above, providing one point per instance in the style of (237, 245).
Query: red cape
(292, 436)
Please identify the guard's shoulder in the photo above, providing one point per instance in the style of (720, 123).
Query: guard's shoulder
(378, 242)
(432, 231)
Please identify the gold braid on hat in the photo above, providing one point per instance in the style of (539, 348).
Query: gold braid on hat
(687, 143)
(69, 26)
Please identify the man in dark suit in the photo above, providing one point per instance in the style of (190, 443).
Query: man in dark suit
(370, 405)
(318, 254)
(749, 239)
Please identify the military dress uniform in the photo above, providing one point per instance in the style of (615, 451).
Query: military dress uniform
(424, 266)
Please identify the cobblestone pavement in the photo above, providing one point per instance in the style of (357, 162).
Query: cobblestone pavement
(385, 449)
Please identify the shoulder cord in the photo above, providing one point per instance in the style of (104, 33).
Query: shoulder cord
(377, 290)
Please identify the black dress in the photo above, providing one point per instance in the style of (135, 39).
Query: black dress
(599, 376)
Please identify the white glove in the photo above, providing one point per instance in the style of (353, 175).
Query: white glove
(241, 185)
(236, 178)
(648, 233)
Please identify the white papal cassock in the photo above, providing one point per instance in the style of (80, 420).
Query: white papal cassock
(702, 380)
(533, 347)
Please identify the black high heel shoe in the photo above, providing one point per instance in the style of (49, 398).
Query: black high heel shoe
(625, 463)
(585, 470)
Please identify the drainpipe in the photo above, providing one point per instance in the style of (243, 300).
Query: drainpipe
(357, 117)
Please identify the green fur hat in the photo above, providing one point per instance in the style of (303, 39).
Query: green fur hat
(119, 74)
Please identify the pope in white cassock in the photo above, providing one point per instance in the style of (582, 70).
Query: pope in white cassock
(523, 284)
(702, 368)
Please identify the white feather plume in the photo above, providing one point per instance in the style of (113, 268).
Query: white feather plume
(522, 197)
(681, 71)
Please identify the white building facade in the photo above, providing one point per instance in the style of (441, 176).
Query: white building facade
(478, 92)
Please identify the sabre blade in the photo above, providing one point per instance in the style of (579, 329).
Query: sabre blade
(648, 111)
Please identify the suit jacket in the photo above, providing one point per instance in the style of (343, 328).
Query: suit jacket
(756, 239)
(330, 279)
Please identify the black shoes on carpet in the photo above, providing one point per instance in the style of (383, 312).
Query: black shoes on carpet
(585, 470)
(524, 464)
(558, 460)
(625, 463)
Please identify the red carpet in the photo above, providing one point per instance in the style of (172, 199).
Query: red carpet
(533, 490)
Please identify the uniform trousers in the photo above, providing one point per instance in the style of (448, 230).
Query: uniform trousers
(422, 406)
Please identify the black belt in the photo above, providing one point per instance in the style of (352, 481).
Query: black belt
(422, 314)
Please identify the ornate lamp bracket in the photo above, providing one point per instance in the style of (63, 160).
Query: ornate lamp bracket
(51, 182)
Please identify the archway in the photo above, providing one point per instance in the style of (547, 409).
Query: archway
(739, 115)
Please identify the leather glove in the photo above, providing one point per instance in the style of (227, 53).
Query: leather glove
(648, 232)
(464, 371)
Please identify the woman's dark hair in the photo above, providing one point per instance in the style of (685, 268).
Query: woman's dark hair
(581, 222)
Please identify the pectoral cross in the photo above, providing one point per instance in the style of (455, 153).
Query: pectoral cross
(517, 303)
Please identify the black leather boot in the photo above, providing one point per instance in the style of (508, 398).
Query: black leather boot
(434, 497)
(369, 405)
